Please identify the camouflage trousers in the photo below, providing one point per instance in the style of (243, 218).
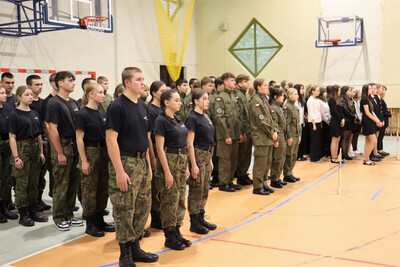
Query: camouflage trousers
(291, 157)
(262, 165)
(95, 185)
(227, 161)
(155, 194)
(199, 187)
(45, 167)
(66, 180)
(278, 159)
(131, 209)
(6, 180)
(27, 178)
(172, 199)
(244, 156)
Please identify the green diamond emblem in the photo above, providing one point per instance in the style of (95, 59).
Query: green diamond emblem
(255, 48)
(172, 7)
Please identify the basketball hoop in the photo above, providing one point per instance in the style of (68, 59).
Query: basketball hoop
(333, 41)
(94, 25)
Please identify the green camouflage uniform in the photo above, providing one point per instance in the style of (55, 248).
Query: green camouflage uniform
(262, 129)
(199, 187)
(6, 180)
(66, 181)
(173, 199)
(187, 105)
(245, 148)
(279, 153)
(294, 131)
(211, 108)
(95, 185)
(155, 195)
(27, 178)
(107, 101)
(181, 113)
(228, 125)
(43, 168)
(134, 205)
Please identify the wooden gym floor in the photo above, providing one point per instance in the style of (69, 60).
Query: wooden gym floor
(304, 224)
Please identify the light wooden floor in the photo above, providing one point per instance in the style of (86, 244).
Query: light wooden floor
(303, 224)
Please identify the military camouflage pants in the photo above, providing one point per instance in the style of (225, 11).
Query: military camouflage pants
(262, 165)
(66, 180)
(155, 194)
(131, 209)
(199, 187)
(43, 168)
(244, 156)
(6, 180)
(227, 161)
(173, 199)
(27, 178)
(95, 185)
(291, 157)
(278, 159)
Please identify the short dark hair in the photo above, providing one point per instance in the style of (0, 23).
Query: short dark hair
(32, 77)
(7, 75)
(227, 75)
(206, 80)
(128, 73)
(242, 77)
(155, 86)
(192, 81)
(86, 81)
(271, 82)
(218, 81)
(62, 75)
(180, 81)
(52, 76)
(275, 91)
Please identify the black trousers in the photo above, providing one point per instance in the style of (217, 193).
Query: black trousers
(326, 140)
(315, 141)
(304, 146)
(380, 137)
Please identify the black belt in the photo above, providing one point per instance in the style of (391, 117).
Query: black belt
(205, 148)
(176, 150)
(135, 154)
(95, 143)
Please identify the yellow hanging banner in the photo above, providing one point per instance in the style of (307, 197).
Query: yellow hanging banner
(174, 17)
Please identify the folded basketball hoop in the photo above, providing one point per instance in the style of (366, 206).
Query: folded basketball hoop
(333, 41)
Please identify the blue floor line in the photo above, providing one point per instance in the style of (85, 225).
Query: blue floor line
(377, 193)
(251, 220)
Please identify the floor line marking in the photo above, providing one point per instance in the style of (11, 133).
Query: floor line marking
(365, 262)
(377, 193)
(245, 222)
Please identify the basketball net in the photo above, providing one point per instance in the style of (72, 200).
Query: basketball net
(95, 27)
(174, 17)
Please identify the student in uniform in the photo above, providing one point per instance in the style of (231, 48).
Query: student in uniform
(103, 81)
(386, 115)
(172, 169)
(264, 133)
(25, 129)
(301, 105)
(293, 133)
(357, 131)
(376, 101)
(129, 169)
(93, 160)
(182, 88)
(337, 121)
(61, 117)
(315, 124)
(8, 82)
(145, 94)
(153, 110)
(5, 154)
(119, 89)
(84, 85)
(349, 114)
(326, 118)
(200, 144)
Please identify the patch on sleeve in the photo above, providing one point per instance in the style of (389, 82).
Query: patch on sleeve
(258, 105)
(237, 98)
(261, 116)
(219, 110)
(284, 108)
(218, 99)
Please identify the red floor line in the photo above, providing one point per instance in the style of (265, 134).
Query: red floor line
(366, 262)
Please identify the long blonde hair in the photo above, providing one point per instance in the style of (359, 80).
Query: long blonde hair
(90, 88)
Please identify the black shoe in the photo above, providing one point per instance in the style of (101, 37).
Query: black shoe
(11, 205)
(347, 157)
(276, 184)
(214, 184)
(3, 218)
(295, 178)
(92, 227)
(105, 212)
(155, 220)
(379, 156)
(76, 208)
(180, 237)
(106, 227)
(24, 218)
(35, 215)
(301, 159)
(235, 186)
(226, 188)
(6, 211)
(125, 259)
(270, 190)
(195, 225)
(138, 255)
(171, 240)
(289, 179)
(376, 159)
(283, 182)
(384, 153)
(248, 179)
(209, 226)
(260, 191)
(242, 180)
(41, 202)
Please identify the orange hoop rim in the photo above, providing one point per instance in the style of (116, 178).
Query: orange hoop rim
(85, 20)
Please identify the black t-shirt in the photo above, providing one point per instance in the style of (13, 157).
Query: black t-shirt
(173, 130)
(130, 121)
(93, 123)
(152, 114)
(25, 124)
(38, 107)
(11, 101)
(4, 115)
(202, 127)
(58, 111)
(363, 102)
(44, 105)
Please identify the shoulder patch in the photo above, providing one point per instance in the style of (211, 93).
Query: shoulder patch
(237, 98)
(261, 116)
(258, 105)
(272, 111)
(285, 108)
(219, 110)
(218, 99)
(191, 103)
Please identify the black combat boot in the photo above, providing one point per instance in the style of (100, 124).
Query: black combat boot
(3, 218)
(35, 215)
(102, 225)
(92, 228)
(242, 180)
(6, 212)
(41, 202)
(125, 259)
(171, 241)
(195, 225)
(24, 218)
(138, 255)
(155, 220)
(180, 237)
(209, 226)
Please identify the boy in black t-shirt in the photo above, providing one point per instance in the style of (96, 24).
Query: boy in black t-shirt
(61, 112)
(130, 175)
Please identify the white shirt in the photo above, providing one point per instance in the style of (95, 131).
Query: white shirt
(325, 111)
(314, 110)
(358, 110)
(301, 112)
